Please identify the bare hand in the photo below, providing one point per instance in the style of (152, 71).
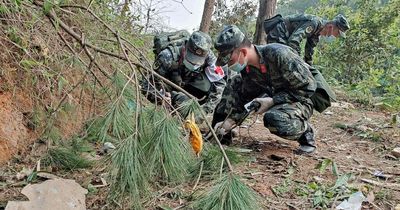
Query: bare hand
(266, 103)
(223, 127)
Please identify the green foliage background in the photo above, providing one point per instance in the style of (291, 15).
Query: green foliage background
(366, 62)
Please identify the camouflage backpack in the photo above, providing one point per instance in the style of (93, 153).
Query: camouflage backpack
(164, 40)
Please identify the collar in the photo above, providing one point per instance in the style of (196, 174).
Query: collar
(263, 69)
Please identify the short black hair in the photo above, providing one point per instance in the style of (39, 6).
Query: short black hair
(245, 43)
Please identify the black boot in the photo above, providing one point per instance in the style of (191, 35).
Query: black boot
(307, 142)
(227, 139)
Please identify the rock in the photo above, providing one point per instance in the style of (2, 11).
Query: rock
(23, 173)
(343, 104)
(397, 207)
(318, 179)
(396, 152)
(353, 203)
(60, 194)
(328, 113)
(107, 147)
(47, 175)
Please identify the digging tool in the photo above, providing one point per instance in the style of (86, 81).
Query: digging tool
(250, 107)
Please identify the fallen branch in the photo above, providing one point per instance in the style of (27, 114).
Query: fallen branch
(80, 39)
(392, 186)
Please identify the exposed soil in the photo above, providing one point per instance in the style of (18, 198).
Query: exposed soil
(14, 135)
(364, 147)
(358, 141)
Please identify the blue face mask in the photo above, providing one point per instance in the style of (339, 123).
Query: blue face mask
(328, 39)
(190, 66)
(237, 67)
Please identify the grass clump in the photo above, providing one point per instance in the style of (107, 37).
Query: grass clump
(212, 159)
(229, 193)
(66, 158)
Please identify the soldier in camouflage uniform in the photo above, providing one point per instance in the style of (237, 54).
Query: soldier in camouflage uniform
(192, 67)
(293, 29)
(274, 70)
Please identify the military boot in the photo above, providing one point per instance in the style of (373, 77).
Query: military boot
(307, 142)
(227, 139)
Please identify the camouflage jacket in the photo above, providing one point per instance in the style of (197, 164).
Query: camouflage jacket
(303, 27)
(208, 81)
(284, 76)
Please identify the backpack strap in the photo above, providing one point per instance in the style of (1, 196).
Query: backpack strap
(176, 51)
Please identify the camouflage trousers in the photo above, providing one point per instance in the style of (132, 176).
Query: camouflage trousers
(287, 120)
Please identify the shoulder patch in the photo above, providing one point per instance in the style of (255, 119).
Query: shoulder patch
(214, 73)
(309, 29)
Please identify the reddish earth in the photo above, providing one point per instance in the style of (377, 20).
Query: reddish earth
(14, 135)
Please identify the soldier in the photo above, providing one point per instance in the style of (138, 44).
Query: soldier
(274, 70)
(293, 29)
(192, 67)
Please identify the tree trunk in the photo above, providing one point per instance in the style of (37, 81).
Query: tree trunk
(125, 8)
(207, 14)
(266, 10)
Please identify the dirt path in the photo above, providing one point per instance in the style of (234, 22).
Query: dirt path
(358, 142)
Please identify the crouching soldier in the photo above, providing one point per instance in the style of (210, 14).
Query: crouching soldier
(277, 72)
(192, 67)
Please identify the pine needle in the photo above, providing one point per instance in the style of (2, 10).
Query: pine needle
(168, 155)
(228, 193)
(128, 175)
(189, 106)
(66, 158)
(212, 157)
(117, 124)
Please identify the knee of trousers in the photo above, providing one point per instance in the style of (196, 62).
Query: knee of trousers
(284, 125)
(179, 98)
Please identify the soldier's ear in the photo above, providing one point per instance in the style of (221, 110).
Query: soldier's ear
(244, 52)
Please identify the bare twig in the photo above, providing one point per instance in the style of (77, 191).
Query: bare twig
(198, 178)
(183, 5)
(392, 186)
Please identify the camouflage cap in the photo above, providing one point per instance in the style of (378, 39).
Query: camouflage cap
(197, 48)
(341, 23)
(227, 41)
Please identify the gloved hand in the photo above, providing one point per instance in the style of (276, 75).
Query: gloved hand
(167, 97)
(223, 127)
(266, 103)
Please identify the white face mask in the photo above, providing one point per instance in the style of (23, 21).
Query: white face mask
(328, 39)
(237, 67)
(190, 66)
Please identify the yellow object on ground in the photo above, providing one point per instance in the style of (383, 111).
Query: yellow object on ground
(195, 137)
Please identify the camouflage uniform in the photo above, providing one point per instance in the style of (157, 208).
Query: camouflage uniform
(287, 80)
(293, 29)
(205, 83)
(283, 76)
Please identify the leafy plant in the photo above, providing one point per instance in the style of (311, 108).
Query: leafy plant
(322, 166)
